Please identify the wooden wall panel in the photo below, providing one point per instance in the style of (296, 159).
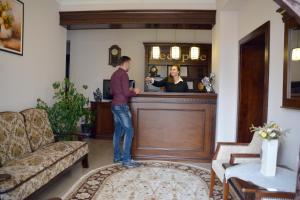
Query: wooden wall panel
(174, 127)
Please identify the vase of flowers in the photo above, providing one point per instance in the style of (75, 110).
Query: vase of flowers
(270, 134)
(209, 82)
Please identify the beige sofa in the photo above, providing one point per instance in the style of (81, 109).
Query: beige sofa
(29, 155)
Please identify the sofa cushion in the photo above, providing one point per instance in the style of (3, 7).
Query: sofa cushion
(38, 128)
(42, 178)
(13, 139)
(24, 169)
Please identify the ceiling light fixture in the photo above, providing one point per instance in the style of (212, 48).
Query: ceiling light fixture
(175, 50)
(156, 48)
(194, 50)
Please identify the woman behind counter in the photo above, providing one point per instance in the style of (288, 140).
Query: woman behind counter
(173, 83)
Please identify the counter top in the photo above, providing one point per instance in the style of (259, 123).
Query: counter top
(169, 97)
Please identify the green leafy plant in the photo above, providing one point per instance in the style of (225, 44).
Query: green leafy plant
(68, 108)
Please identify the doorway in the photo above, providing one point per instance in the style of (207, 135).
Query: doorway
(253, 81)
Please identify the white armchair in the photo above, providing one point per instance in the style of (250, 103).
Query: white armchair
(233, 153)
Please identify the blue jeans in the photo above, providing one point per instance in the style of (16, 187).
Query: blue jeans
(123, 126)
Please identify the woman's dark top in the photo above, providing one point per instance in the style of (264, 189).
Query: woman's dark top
(181, 86)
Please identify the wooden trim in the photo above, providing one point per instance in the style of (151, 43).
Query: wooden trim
(263, 29)
(233, 156)
(260, 194)
(290, 11)
(293, 103)
(158, 19)
(219, 144)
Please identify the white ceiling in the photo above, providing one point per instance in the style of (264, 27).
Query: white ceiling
(75, 5)
(82, 2)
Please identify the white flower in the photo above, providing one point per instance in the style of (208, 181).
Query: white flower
(273, 135)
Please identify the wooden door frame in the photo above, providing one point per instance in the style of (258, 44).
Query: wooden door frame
(262, 30)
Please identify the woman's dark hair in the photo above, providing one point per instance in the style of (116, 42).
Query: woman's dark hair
(124, 59)
(170, 78)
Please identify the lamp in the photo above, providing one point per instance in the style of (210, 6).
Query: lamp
(194, 50)
(194, 53)
(155, 52)
(175, 50)
(296, 51)
(296, 54)
(156, 49)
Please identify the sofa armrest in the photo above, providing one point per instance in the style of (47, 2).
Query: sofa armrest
(68, 136)
(4, 177)
(246, 157)
(263, 194)
(224, 149)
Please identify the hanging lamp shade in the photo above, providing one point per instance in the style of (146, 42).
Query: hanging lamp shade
(194, 53)
(175, 52)
(155, 52)
(296, 54)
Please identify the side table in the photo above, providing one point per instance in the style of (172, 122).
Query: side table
(244, 190)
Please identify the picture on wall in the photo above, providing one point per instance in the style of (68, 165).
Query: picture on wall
(11, 26)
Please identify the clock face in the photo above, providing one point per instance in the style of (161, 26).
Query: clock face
(114, 52)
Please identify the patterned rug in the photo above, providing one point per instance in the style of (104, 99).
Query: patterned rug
(154, 180)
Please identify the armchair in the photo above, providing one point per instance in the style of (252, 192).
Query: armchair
(233, 153)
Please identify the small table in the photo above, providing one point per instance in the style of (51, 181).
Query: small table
(245, 190)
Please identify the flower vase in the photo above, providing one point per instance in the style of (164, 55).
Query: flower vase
(269, 157)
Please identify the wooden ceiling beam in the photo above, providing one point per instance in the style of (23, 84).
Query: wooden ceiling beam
(188, 19)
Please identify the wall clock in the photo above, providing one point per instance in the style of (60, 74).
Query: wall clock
(114, 55)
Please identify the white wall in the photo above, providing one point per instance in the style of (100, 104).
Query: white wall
(89, 52)
(225, 63)
(25, 78)
(251, 15)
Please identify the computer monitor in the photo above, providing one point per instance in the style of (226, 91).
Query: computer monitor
(106, 88)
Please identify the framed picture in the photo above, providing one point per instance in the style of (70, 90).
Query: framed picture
(12, 26)
(190, 85)
(183, 71)
(162, 71)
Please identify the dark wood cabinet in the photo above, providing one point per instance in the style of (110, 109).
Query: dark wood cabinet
(193, 71)
(104, 124)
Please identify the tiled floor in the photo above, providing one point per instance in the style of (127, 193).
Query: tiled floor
(101, 154)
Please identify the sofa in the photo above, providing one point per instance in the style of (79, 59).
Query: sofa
(30, 156)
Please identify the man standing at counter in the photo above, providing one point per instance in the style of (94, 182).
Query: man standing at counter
(119, 89)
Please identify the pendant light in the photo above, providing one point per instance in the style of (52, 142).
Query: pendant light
(296, 51)
(156, 49)
(194, 50)
(175, 50)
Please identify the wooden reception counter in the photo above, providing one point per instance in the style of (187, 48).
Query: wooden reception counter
(174, 126)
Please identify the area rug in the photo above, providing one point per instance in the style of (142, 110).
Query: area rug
(153, 180)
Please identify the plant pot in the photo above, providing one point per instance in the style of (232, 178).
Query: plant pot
(86, 128)
(269, 157)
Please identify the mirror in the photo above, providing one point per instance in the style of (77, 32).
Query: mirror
(291, 75)
(294, 64)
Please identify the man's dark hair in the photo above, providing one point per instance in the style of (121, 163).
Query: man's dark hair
(124, 59)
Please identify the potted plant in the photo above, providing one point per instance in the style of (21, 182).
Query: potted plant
(270, 134)
(68, 108)
(87, 122)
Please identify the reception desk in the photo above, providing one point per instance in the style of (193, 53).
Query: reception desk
(174, 126)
